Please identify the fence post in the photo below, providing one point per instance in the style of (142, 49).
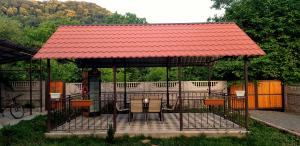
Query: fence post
(284, 96)
(256, 93)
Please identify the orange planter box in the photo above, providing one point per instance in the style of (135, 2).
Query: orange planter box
(214, 102)
(78, 103)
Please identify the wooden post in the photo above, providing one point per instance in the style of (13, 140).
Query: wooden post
(168, 95)
(41, 88)
(115, 96)
(256, 94)
(209, 80)
(246, 91)
(125, 88)
(48, 102)
(180, 94)
(100, 90)
(283, 91)
(30, 86)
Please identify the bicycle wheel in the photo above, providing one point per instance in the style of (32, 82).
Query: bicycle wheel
(17, 111)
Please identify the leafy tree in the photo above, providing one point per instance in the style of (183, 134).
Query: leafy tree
(128, 18)
(274, 25)
(10, 29)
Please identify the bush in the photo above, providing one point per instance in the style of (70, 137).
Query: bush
(110, 134)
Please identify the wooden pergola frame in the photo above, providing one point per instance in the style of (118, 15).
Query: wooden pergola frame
(11, 52)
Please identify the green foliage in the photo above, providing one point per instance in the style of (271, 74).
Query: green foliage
(274, 25)
(32, 133)
(32, 13)
(10, 29)
(128, 18)
(31, 23)
(67, 72)
(37, 36)
(110, 134)
(219, 4)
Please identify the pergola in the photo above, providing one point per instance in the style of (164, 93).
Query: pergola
(11, 52)
(150, 45)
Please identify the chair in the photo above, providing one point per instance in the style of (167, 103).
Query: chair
(155, 107)
(121, 109)
(136, 106)
(170, 109)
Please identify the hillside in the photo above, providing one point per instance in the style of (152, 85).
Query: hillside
(32, 12)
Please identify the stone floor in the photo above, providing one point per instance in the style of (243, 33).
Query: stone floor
(282, 120)
(7, 119)
(195, 123)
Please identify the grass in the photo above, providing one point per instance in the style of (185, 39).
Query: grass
(31, 133)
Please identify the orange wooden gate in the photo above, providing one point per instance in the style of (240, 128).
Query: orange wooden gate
(268, 94)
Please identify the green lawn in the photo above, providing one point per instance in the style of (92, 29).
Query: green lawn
(31, 133)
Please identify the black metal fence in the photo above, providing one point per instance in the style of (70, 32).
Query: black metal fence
(199, 110)
(73, 114)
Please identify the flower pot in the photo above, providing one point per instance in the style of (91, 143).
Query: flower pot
(55, 95)
(240, 94)
(214, 102)
(78, 103)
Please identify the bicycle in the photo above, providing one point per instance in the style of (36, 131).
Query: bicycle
(16, 109)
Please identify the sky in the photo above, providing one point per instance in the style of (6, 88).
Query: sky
(162, 11)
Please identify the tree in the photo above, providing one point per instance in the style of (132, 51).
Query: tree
(274, 25)
(128, 18)
(10, 29)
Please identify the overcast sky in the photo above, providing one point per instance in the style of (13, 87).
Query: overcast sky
(162, 11)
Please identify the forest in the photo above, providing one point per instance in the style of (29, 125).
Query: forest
(272, 24)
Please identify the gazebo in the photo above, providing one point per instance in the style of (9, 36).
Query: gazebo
(153, 45)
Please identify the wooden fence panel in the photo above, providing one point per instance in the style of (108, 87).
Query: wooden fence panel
(251, 93)
(57, 87)
(269, 94)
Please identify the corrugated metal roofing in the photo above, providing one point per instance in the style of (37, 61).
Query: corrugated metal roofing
(149, 40)
(12, 52)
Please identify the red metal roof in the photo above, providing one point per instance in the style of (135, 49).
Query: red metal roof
(149, 40)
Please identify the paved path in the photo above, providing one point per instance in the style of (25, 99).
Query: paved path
(285, 121)
(9, 120)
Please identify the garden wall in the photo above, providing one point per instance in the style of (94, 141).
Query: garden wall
(23, 87)
(216, 86)
(292, 93)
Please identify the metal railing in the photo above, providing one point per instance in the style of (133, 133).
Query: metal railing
(197, 113)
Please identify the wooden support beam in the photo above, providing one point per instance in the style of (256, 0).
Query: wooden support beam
(48, 102)
(41, 87)
(180, 93)
(115, 96)
(168, 95)
(209, 80)
(246, 91)
(256, 94)
(30, 87)
(125, 87)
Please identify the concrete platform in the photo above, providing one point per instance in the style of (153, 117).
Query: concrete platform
(195, 124)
